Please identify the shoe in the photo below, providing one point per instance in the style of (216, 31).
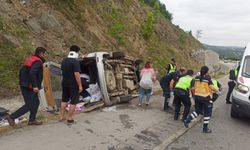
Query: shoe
(139, 104)
(35, 122)
(176, 117)
(10, 120)
(183, 120)
(147, 103)
(228, 102)
(70, 122)
(207, 130)
(186, 123)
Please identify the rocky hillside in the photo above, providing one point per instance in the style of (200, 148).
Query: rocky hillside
(95, 25)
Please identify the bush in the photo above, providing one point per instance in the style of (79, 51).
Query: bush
(182, 37)
(117, 31)
(1, 23)
(148, 27)
(11, 61)
(159, 7)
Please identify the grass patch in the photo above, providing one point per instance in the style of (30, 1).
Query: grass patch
(148, 26)
(117, 31)
(1, 23)
(117, 27)
(11, 60)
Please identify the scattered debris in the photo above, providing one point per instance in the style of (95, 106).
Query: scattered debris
(109, 109)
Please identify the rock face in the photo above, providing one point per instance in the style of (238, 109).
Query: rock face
(208, 58)
(44, 22)
(212, 60)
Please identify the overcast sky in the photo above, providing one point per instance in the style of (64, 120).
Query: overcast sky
(223, 22)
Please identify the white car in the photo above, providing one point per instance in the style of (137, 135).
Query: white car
(241, 93)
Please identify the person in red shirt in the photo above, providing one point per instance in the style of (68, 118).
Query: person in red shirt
(30, 80)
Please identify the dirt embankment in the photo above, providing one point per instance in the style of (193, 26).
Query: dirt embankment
(93, 25)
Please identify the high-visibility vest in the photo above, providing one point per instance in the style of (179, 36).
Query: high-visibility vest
(184, 83)
(172, 68)
(235, 72)
(215, 83)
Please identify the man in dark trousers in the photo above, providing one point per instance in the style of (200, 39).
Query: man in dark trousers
(231, 84)
(167, 84)
(181, 95)
(164, 83)
(71, 83)
(31, 76)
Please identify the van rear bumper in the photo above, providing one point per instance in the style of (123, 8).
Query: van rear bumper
(242, 108)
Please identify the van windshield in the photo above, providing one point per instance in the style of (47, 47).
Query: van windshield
(246, 67)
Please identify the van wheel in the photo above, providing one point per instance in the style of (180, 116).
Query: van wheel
(234, 114)
(118, 55)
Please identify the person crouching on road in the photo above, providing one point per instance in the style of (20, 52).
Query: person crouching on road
(30, 76)
(174, 79)
(181, 95)
(202, 88)
(71, 83)
(148, 77)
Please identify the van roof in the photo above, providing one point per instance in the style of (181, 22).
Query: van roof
(247, 50)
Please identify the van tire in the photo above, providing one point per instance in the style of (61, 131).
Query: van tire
(118, 55)
(233, 113)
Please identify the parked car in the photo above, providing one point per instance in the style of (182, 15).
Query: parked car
(241, 93)
(116, 74)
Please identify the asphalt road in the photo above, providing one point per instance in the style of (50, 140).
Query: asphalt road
(134, 128)
(227, 133)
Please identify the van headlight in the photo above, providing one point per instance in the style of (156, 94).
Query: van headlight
(242, 88)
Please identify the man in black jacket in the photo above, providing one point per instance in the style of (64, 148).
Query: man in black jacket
(231, 84)
(30, 76)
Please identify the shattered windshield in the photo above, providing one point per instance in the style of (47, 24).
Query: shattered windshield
(246, 67)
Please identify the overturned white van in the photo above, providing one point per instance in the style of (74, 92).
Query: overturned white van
(116, 74)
